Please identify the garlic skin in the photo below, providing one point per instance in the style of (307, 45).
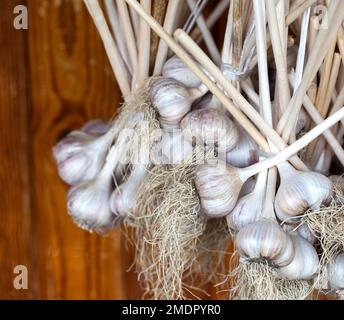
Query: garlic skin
(80, 156)
(246, 211)
(96, 127)
(244, 153)
(306, 233)
(338, 188)
(218, 187)
(265, 240)
(88, 204)
(335, 272)
(172, 149)
(302, 121)
(305, 263)
(172, 101)
(176, 69)
(210, 126)
(123, 199)
(300, 191)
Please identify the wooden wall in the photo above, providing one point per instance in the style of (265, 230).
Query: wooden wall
(53, 77)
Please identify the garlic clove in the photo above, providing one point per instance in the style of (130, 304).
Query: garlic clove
(305, 263)
(305, 232)
(335, 271)
(172, 101)
(176, 69)
(244, 153)
(218, 187)
(210, 127)
(265, 240)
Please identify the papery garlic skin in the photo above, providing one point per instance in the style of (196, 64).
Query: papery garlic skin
(247, 210)
(218, 188)
(89, 206)
(335, 271)
(265, 240)
(123, 199)
(176, 69)
(300, 191)
(210, 127)
(306, 233)
(244, 153)
(80, 156)
(96, 126)
(172, 101)
(305, 263)
(172, 149)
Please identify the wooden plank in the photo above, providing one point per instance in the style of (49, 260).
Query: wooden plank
(16, 241)
(72, 82)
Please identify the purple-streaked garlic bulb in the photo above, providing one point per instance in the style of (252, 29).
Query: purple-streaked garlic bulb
(97, 127)
(300, 191)
(80, 155)
(176, 69)
(210, 127)
(335, 271)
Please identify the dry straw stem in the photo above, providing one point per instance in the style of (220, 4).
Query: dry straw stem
(257, 280)
(144, 45)
(213, 17)
(109, 44)
(324, 39)
(207, 36)
(237, 32)
(329, 136)
(295, 13)
(340, 42)
(129, 32)
(239, 116)
(227, 40)
(279, 54)
(169, 25)
(253, 115)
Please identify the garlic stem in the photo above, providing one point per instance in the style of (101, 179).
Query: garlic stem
(294, 14)
(240, 101)
(285, 154)
(268, 206)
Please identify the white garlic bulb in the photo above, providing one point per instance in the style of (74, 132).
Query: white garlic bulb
(176, 69)
(123, 198)
(335, 272)
(265, 240)
(305, 263)
(173, 148)
(210, 127)
(244, 153)
(89, 202)
(218, 188)
(300, 191)
(80, 156)
(172, 101)
(248, 209)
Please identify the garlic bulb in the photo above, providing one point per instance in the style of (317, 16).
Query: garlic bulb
(96, 127)
(305, 263)
(265, 240)
(176, 69)
(335, 272)
(80, 156)
(218, 188)
(306, 233)
(173, 148)
(248, 208)
(89, 202)
(244, 153)
(172, 101)
(123, 199)
(210, 126)
(300, 191)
